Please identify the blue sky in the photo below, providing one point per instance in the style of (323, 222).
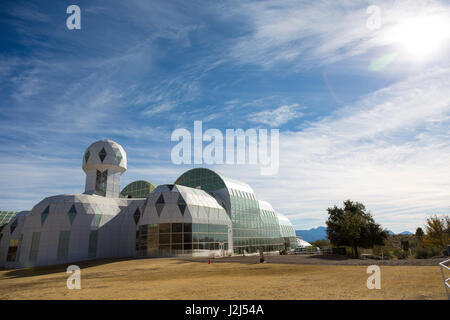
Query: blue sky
(363, 113)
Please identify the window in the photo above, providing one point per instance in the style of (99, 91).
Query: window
(13, 226)
(181, 204)
(203, 237)
(137, 189)
(34, 249)
(93, 240)
(177, 238)
(63, 245)
(72, 213)
(118, 156)
(102, 154)
(187, 237)
(100, 182)
(86, 156)
(96, 218)
(12, 250)
(164, 238)
(187, 227)
(164, 228)
(164, 249)
(178, 246)
(44, 214)
(160, 204)
(137, 215)
(177, 227)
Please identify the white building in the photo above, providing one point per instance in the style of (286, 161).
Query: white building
(203, 213)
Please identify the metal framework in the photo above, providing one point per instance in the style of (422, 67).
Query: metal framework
(446, 280)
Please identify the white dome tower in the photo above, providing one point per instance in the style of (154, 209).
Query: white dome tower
(104, 162)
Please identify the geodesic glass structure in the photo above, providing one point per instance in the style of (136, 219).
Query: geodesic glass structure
(255, 227)
(137, 189)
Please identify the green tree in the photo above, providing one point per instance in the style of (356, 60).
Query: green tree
(353, 226)
(437, 231)
(419, 233)
(323, 243)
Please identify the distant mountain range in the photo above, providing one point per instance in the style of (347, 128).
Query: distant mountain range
(312, 234)
(401, 233)
(320, 233)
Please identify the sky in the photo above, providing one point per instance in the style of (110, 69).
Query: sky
(359, 91)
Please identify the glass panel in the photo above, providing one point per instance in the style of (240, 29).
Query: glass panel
(102, 154)
(177, 238)
(164, 228)
(178, 246)
(164, 238)
(63, 245)
(86, 156)
(203, 237)
(100, 182)
(118, 156)
(12, 250)
(137, 215)
(187, 227)
(44, 214)
(164, 249)
(187, 237)
(177, 227)
(72, 213)
(35, 239)
(93, 239)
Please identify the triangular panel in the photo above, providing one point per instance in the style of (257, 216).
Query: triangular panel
(137, 215)
(44, 214)
(102, 154)
(72, 213)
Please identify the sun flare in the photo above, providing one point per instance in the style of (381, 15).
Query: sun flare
(422, 37)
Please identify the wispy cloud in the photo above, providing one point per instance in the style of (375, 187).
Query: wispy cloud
(307, 33)
(164, 107)
(278, 116)
(383, 151)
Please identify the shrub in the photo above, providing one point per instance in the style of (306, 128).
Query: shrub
(401, 254)
(383, 251)
(413, 244)
(428, 252)
(321, 243)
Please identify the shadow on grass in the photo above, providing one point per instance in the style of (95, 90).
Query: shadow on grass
(44, 270)
(283, 259)
(331, 257)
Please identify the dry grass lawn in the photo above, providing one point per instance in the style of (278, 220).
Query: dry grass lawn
(180, 279)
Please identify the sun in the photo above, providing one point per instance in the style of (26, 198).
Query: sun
(423, 37)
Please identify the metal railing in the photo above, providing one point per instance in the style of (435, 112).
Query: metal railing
(446, 280)
(313, 251)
